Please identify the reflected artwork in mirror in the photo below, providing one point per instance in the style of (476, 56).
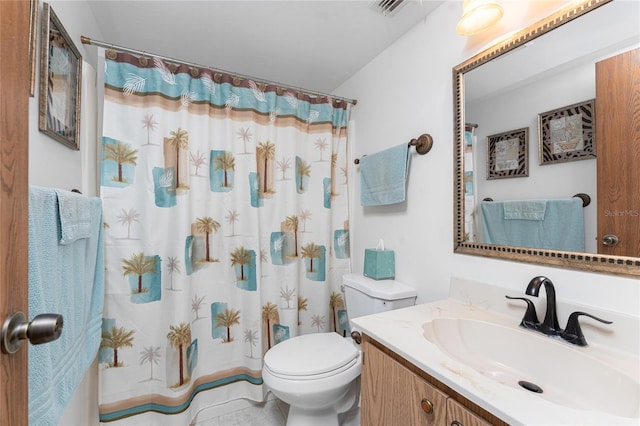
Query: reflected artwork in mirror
(551, 66)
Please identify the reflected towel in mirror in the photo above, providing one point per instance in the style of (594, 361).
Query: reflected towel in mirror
(524, 223)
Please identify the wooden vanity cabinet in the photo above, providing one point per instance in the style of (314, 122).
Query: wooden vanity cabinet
(393, 395)
(396, 392)
(459, 415)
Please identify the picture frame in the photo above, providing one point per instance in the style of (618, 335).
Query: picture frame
(567, 133)
(508, 154)
(60, 78)
(34, 5)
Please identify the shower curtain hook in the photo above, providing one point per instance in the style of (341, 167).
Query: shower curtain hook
(142, 60)
(111, 53)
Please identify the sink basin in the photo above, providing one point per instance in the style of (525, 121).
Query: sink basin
(530, 362)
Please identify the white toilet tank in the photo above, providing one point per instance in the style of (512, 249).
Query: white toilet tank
(365, 296)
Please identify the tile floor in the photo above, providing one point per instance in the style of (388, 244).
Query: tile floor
(270, 413)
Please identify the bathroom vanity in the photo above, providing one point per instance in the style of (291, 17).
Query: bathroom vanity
(465, 360)
(394, 391)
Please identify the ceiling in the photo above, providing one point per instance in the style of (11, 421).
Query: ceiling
(313, 44)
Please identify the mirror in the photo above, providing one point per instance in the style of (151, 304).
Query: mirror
(498, 73)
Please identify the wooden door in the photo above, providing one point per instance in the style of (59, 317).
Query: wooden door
(618, 153)
(14, 149)
(393, 395)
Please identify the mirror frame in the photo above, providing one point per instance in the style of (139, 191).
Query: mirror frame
(617, 265)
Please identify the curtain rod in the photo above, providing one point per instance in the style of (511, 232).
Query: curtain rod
(87, 40)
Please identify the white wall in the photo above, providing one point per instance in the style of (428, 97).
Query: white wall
(406, 91)
(52, 164)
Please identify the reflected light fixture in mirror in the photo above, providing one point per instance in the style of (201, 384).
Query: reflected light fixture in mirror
(477, 16)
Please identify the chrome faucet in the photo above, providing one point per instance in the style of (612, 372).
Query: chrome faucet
(550, 324)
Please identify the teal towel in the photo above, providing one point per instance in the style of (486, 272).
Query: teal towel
(65, 277)
(383, 176)
(561, 226)
(75, 216)
(524, 210)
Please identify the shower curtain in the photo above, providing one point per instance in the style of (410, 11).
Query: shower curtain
(226, 232)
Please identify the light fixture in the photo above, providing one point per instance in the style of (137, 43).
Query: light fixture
(477, 16)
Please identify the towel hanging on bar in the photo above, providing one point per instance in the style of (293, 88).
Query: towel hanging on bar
(383, 176)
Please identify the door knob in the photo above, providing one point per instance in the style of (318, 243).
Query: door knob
(43, 329)
(610, 240)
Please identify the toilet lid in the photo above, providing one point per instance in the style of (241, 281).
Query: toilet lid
(310, 354)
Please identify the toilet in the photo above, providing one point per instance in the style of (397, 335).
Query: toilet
(318, 374)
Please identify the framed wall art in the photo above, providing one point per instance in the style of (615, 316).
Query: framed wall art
(567, 133)
(508, 154)
(60, 75)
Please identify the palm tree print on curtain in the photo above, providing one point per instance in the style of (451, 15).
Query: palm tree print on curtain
(270, 317)
(198, 159)
(149, 123)
(228, 319)
(119, 161)
(336, 303)
(223, 164)
(207, 226)
(311, 252)
(144, 275)
(116, 338)
(223, 244)
(303, 174)
(126, 218)
(150, 355)
(303, 304)
(250, 337)
(177, 142)
(244, 263)
(265, 154)
(173, 267)
(196, 304)
(179, 337)
(291, 224)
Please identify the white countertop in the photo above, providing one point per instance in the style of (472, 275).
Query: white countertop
(401, 331)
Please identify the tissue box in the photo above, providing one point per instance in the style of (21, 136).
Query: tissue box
(379, 264)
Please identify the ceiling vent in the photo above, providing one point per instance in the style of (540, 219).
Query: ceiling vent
(387, 7)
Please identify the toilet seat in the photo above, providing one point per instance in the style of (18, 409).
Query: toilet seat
(313, 376)
(310, 357)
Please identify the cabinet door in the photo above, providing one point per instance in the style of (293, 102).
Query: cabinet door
(393, 395)
(458, 415)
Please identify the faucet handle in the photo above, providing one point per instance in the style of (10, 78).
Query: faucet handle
(530, 319)
(573, 331)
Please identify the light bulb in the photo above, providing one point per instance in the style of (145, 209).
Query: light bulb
(478, 15)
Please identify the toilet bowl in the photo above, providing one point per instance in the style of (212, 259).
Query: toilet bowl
(318, 374)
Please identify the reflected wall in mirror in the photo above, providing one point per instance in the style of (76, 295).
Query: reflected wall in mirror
(548, 66)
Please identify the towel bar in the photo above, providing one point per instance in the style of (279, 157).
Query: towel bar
(586, 199)
(423, 144)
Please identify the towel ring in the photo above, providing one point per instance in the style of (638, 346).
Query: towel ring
(423, 144)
